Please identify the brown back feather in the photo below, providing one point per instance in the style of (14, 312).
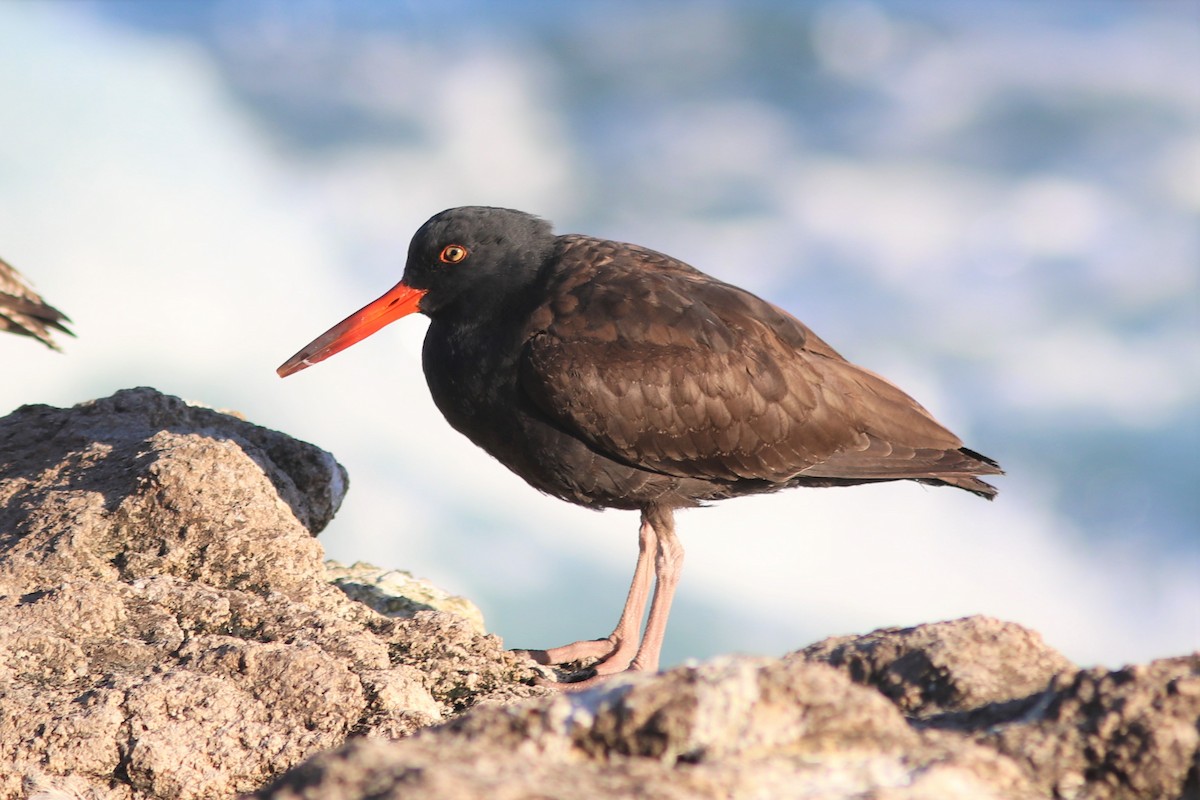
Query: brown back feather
(665, 368)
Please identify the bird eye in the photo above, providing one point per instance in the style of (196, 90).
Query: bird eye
(452, 254)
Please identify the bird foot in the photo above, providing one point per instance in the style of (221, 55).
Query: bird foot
(572, 686)
(563, 677)
(580, 680)
(581, 665)
(588, 650)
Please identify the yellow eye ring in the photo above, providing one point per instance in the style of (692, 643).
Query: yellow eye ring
(452, 254)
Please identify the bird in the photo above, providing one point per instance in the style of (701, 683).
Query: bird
(24, 312)
(610, 375)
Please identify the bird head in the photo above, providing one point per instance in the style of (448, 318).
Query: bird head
(462, 261)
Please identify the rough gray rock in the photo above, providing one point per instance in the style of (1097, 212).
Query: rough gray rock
(167, 627)
(1127, 733)
(397, 593)
(945, 666)
(973, 708)
(731, 728)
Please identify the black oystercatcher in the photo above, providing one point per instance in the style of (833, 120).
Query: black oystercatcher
(23, 311)
(613, 376)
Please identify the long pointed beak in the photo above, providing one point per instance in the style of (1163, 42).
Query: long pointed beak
(400, 301)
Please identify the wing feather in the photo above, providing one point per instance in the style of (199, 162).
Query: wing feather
(655, 364)
(23, 311)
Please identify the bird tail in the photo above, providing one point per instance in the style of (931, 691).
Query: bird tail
(976, 464)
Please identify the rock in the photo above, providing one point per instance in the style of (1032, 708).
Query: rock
(1133, 732)
(167, 624)
(734, 727)
(973, 708)
(945, 666)
(397, 593)
(168, 629)
(1127, 733)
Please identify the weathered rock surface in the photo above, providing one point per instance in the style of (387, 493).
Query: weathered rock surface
(945, 666)
(168, 629)
(798, 728)
(396, 593)
(735, 727)
(167, 626)
(1097, 733)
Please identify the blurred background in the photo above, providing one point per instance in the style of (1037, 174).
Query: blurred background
(995, 204)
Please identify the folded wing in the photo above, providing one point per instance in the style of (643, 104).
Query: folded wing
(22, 310)
(673, 371)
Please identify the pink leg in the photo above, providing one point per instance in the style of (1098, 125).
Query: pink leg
(617, 652)
(621, 645)
(668, 564)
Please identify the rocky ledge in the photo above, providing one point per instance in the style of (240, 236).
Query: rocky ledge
(170, 630)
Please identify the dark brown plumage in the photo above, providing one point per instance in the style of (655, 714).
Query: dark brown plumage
(22, 310)
(613, 376)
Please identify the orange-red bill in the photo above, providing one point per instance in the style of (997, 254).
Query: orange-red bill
(400, 301)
